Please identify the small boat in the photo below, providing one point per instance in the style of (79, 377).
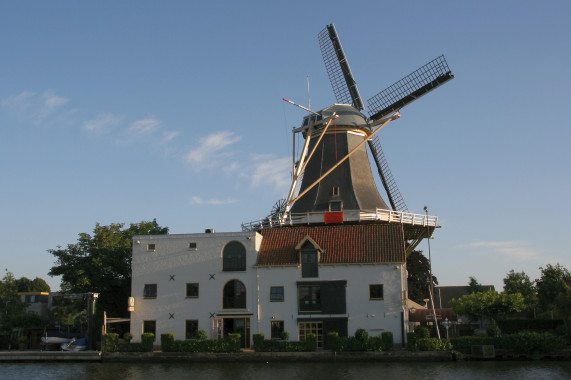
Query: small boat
(55, 339)
(75, 345)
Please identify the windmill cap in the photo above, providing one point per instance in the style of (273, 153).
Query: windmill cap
(348, 116)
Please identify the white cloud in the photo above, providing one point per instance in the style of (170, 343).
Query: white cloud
(37, 108)
(521, 250)
(169, 135)
(19, 103)
(101, 122)
(210, 149)
(269, 171)
(201, 201)
(144, 127)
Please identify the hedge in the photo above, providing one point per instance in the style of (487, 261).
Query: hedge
(523, 342)
(269, 345)
(231, 343)
(111, 344)
(512, 326)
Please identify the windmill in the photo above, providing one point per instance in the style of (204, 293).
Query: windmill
(333, 173)
(383, 107)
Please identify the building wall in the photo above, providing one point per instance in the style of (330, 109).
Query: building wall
(375, 316)
(172, 265)
(172, 257)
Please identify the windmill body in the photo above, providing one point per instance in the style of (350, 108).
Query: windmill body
(351, 185)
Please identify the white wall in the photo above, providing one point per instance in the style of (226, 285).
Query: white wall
(173, 257)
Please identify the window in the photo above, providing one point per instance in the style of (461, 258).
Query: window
(151, 247)
(234, 295)
(150, 327)
(309, 261)
(311, 328)
(191, 329)
(192, 290)
(234, 257)
(335, 206)
(309, 297)
(277, 329)
(192, 246)
(276, 293)
(376, 292)
(150, 291)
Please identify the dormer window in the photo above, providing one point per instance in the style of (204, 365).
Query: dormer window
(309, 252)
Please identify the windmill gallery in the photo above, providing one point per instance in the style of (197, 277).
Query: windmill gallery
(330, 257)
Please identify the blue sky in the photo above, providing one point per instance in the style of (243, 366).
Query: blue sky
(128, 111)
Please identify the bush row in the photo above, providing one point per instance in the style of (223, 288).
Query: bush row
(523, 342)
(111, 343)
(267, 345)
(231, 343)
(360, 342)
(512, 326)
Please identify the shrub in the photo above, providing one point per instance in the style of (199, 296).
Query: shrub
(361, 334)
(333, 340)
(201, 335)
(387, 340)
(530, 342)
(167, 342)
(493, 331)
(411, 339)
(128, 336)
(110, 342)
(374, 343)
(311, 342)
(434, 344)
(422, 332)
(147, 341)
(258, 340)
(234, 342)
(284, 335)
(352, 344)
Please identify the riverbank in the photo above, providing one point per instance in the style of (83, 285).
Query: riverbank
(269, 357)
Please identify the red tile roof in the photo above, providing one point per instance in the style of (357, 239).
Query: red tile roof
(342, 244)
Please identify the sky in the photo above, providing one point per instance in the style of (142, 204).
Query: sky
(124, 111)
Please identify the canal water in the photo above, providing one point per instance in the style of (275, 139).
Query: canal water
(536, 370)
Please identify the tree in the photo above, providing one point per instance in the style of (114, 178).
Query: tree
(487, 305)
(474, 286)
(519, 282)
(102, 263)
(12, 309)
(24, 284)
(563, 305)
(552, 283)
(418, 279)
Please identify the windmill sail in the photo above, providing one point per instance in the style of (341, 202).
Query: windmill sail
(395, 197)
(420, 82)
(338, 70)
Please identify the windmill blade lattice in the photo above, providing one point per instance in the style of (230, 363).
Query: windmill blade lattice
(338, 70)
(420, 82)
(395, 197)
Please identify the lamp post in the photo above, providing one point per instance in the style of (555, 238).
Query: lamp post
(446, 324)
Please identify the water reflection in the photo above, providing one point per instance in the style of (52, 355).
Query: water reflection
(270, 370)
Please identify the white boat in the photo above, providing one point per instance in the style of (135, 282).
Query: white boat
(54, 340)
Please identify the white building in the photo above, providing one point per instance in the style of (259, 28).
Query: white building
(296, 279)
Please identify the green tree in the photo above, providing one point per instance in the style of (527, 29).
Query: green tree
(519, 282)
(12, 309)
(101, 263)
(474, 286)
(24, 284)
(563, 305)
(418, 280)
(487, 305)
(552, 283)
